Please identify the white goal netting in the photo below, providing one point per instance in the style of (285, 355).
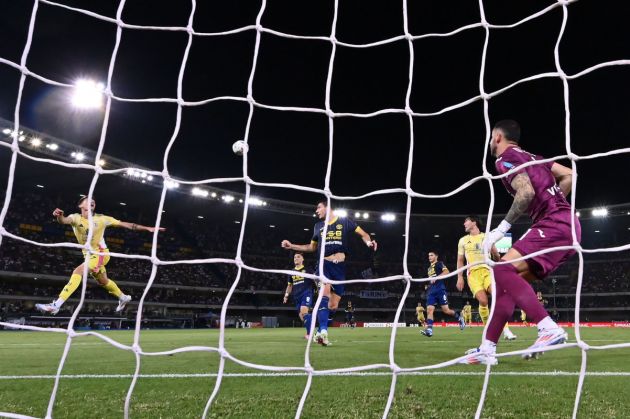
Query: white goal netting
(250, 99)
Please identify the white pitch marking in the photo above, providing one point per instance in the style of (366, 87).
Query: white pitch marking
(351, 374)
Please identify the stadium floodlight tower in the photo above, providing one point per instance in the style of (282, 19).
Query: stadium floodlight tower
(87, 94)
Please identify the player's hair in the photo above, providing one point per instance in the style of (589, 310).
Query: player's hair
(434, 252)
(475, 219)
(298, 253)
(322, 201)
(510, 128)
(83, 198)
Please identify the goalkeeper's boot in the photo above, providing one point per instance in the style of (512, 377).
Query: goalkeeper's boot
(323, 338)
(122, 302)
(478, 356)
(427, 332)
(546, 337)
(47, 308)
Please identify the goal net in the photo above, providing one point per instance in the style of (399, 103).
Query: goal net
(484, 176)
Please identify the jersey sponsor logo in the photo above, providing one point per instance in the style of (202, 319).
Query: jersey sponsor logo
(508, 164)
(339, 227)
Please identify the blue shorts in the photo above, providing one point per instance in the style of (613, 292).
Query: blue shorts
(304, 300)
(337, 272)
(436, 297)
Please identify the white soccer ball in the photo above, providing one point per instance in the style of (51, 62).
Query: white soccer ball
(240, 147)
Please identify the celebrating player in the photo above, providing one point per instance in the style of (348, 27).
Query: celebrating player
(335, 249)
(436, 294)
(96, 263)
(302, 289)
(469, 250)
(420, 315)
(540, 191)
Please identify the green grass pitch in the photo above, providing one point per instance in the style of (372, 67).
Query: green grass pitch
(523, 394)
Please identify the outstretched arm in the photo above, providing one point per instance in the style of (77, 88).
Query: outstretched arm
(138, 227)
(60, 218)
(307, 248)
(366, 238)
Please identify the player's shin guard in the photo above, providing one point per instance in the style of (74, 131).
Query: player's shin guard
(113, 289)
(523, 295)
(484, 313)
(307, 322)
(322, 314)
(71, 286)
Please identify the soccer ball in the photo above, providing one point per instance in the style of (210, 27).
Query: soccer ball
(240, 147)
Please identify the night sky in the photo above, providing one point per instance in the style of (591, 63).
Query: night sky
(292, 147)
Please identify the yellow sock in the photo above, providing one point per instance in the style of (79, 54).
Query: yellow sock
(113, 289)
(484, 313)
(71, 286)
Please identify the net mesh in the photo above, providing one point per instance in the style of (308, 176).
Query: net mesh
(249, 182)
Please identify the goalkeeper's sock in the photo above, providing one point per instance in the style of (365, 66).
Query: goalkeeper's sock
(307, 323)
(510, 282)
(322, 314)
(484, 313)
(71, 286)
(113, 289)
(430, 324)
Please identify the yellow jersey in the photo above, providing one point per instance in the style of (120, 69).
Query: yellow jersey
(81, 227)
(419, 310)
(467, 309)
(471, 248)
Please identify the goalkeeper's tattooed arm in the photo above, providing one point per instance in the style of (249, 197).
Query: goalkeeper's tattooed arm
(524, 193)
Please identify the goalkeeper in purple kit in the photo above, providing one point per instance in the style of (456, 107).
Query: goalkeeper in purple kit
(538, 190)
